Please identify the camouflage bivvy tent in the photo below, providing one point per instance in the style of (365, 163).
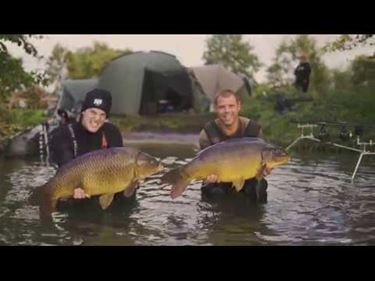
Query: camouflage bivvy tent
(155, 82)
(140, 83)
(73, 92)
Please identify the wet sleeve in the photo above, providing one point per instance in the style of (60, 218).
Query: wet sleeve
(203, 140)
(115, 137)
(61, 147)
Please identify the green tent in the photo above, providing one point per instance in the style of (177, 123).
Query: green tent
(73, 92)
(214, 77)
(147, 83)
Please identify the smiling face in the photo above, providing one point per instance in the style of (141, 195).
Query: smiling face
(227, 108)
(93, 119)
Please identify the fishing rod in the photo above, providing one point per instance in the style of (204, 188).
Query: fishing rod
(323, 138)
(335, 123)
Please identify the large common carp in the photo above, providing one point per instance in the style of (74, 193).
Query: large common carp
(233, 161)
(102, 172)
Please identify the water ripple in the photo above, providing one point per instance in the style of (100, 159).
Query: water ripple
(311, 201)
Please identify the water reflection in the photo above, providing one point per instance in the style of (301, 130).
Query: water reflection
(311, 201)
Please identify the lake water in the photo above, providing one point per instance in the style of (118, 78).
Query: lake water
(311, 201)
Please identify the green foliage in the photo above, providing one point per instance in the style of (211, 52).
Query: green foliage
(339, 95)
(12, 74)
(89, 62)
(341, 80)
(84, 63)
(363, 69)
(348, 97)
(168, 122)
(319, 80)
(233, 53)
(280, 73)
(26, 117)
(276, 74)
(262, 89)
(56, 65)
(21, 40)
(14, 77)
(18, 120)
(349, 42)
(81, 64)
(276, 128)
(353, 105)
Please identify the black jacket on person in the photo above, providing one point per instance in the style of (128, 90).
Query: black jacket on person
(302, 73)
(63, 150)
(62, 145)
(218, 190)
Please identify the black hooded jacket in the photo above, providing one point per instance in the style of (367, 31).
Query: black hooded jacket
(62, 143)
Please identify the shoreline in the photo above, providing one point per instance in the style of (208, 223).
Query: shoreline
(150, 138)
(160, 138)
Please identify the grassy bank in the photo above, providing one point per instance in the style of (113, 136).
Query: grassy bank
(355, 107)
(18, 120)
(167, 123)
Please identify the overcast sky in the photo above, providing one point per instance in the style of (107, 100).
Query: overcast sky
(187, 48)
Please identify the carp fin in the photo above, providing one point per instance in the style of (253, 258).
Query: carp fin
(238, 184)
(46, 208)
(259, 176)
(178, 188)
(106, 200)
(36, 196)
(177, 180)
(131, 188)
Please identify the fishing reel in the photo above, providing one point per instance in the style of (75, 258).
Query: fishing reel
(345, 134)
(358, 130)
(323, 133)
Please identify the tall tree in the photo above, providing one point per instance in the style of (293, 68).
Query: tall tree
(233, 53)
(89, 62)
(13, 76)
(362, 68)
(56, 66)
(286, 59)
(349, 42)
(363, 71)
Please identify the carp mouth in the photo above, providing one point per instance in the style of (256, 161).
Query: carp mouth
(148, 163)
(279, 160)
(276, 157)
